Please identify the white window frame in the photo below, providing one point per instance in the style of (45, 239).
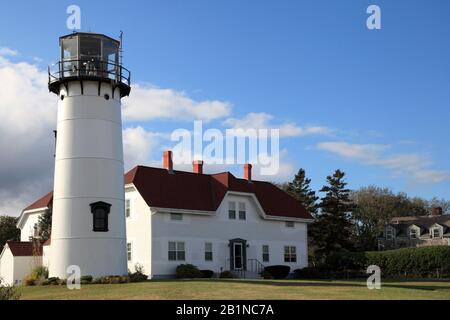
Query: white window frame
(129, 251)
(209, 251)
(290, 255)
(128, 208)
(242, 211)
(180, 251)
(413, 231)
(265, 253)
(232, 210)
(438, 230)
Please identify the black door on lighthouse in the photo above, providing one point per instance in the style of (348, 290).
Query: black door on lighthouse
(238, 254)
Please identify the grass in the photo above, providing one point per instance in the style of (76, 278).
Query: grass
(246, 289)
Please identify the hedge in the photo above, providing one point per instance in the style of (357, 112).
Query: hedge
(278, 271)
(187, 271)
(406, 262)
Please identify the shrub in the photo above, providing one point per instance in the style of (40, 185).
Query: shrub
(86, 279)
(226, 275)
(207, 273)
(39, 273)
(405, 262)
(36, 277)
(98, 280)
(8, 292)
(266, 275)
(111, 280)
(29, 281)
(138, 275)
(51, 281)
(188, 271)
(278, 271)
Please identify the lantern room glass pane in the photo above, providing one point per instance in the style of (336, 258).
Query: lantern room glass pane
(90, 48)
(69, 56)
(110, 51)
(70, 48)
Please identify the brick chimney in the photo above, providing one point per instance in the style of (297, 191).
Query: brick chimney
(248, 172)
(197, 166)
(167, 161)
(436, 211)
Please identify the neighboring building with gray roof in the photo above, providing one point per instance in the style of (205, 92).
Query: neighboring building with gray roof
(416, 231)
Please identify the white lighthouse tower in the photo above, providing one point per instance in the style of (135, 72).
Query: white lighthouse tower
(88, 224)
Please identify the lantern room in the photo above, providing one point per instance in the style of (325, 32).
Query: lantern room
(89, 56)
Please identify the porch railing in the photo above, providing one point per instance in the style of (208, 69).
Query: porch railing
(253, 266)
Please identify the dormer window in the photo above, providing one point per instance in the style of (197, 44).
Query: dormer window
(100, 211)
(436, 232)
(413, 233)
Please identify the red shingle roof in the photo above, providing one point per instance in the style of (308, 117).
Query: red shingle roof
(43, 202)
(203, 192)
(191, 191)
(21, 248)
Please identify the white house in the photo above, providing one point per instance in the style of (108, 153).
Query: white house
(214, 221)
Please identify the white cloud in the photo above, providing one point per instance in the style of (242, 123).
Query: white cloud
(412, 166)
(263, 121)
(149, 103)
(28, 117)
(8, 52)
(140, 146)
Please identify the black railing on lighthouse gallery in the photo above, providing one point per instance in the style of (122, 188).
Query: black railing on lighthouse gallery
(88, 69)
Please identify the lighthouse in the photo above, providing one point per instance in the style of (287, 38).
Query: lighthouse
(88, 220)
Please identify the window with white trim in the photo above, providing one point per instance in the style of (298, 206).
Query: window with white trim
(232, 210)
(127, 208)
(413, 233)
(129, 251)
(242, 212)
(265, 253)
(208, 251)
(290, 254)
(176, 251)
(176, 216)
(436, 232)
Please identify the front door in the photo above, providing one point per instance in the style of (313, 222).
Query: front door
(238, 255)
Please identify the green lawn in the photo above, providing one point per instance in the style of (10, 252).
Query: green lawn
(245, 289)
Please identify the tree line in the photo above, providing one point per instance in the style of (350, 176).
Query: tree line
(351, 219)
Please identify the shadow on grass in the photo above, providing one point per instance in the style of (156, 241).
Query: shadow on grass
(357, 283)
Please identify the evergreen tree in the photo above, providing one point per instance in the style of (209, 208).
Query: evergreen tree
(8, 230)
(45, 224)
(333, 230)
(299, 188)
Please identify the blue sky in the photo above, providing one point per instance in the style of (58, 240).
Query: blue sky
(382, 94)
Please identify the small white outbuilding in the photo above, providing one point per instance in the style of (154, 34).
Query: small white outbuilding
(17, 259)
